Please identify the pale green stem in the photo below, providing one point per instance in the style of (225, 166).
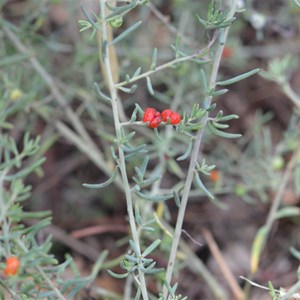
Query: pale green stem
(194, 158)
(289, 92)
(122, 164)
(168, 65)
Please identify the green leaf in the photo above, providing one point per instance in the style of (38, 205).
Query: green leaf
(135, 248)
(227, 118)
(119, 276)
(154, 198)
(287, 212)
(102, 95)
(295, 253)
(186, 154)
(151, 248)
(257, 247)
(104, 184)
(149, 86)
(26, 170)
(177, 198)
(214, 93)
(126, 32)
(154, 59)
(203, 80)
(238, 78)
(87, 15)
(223, 134)
(128, 90)
(199, 184)
(137, 72)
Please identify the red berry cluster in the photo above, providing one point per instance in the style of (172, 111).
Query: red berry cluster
(154, 117)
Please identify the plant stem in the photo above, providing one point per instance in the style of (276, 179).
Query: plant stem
(168, 65)
(122, 164)
(194, 158)
(289, 92)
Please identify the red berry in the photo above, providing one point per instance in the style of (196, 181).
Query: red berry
(12, 266)
(155, 122)
(214, 175)
(149, 114)
(166, 114)
(227, 52)
(175, 118)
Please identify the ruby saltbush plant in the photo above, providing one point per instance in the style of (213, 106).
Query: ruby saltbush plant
(143, 190)
(145, 143)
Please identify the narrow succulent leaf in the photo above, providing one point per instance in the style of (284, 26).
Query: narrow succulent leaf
(102, 95)
(118, 10)
(149, 181)
(203, 80)
(87, 15)
(127, 78)
(186, 154)
(199, 184)
(227, 118)
(132, 258)
(133, 150)
(170, 289)
(154, 198)
(118, 276)
(149, 86)
(149, 229)
(151, 248)
(221, 126)
(133, 115)
(137, 72)
(139, 174)
(257, 247)
(113, 154)
(137, 215)
(128, 90)
(26, 170)
(215, 93)
(177, 198)
(134, 248)
(104, 184)
(126, 32)
(295, 253)
(154, 59)
(223, 134)
(144, 165)
(238, 78)
(287, 212)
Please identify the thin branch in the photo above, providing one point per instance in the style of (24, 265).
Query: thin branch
(194, 158)
(169, 64)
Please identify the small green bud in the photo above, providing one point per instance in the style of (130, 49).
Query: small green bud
(116, 22)
(278, 163)
(240, 190)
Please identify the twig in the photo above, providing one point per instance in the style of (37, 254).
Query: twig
(194, 158)
(214, 249)
(122, 164)
(168, 64)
